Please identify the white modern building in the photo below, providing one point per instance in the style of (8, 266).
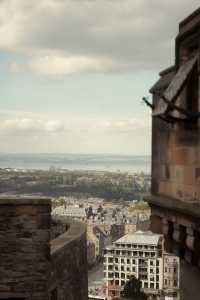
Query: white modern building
(74, 212)
(140, 254)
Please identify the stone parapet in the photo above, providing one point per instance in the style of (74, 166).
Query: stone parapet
(32, 266)
(69, 263)
(24, 247)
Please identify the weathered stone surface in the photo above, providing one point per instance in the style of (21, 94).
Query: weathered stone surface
(31, 267)
(69, 264)
(24, 271)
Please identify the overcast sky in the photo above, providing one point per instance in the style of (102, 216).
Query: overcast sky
(73, 72)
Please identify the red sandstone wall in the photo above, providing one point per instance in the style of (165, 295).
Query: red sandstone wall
(176, 161)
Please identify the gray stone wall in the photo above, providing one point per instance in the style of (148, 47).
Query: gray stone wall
(32, 267)
(69, 264)
(24, 248)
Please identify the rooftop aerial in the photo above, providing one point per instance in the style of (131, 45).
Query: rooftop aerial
(140, 237)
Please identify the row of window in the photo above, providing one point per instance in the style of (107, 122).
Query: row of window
(171, 270)
(120, 268)
(125, 275)
(144, 284)
(135, 246)
(171, 283)
(130, 253)
(135, 254)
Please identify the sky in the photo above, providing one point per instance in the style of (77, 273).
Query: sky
(73, 72)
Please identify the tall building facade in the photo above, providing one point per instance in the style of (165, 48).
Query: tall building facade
(175, 192)
(141, 255)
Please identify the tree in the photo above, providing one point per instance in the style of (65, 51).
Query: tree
(132, 290)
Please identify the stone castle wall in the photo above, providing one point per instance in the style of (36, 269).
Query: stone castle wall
(176, 161)
(24, 250)
(69, 264)
(34, 267)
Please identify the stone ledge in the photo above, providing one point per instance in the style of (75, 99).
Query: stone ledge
(24, 200)
(75, 232)
(192, 209)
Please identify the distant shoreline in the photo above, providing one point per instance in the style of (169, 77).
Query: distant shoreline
(81, 162)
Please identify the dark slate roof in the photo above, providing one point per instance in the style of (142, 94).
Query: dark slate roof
(164, 81)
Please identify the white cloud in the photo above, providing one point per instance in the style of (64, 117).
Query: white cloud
(54, 126)
(125, 125)
(59, 65)
(94, 36)
(31, 126)
(14, 67)
(38, 134)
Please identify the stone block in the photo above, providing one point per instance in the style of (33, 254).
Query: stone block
(189, 175)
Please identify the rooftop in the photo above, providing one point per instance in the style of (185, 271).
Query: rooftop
(140, 237)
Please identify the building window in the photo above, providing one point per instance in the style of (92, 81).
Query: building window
(116, 260)
(128, 261)
(175, 283)
(110, 275)
(151, 285)
(151, 278)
